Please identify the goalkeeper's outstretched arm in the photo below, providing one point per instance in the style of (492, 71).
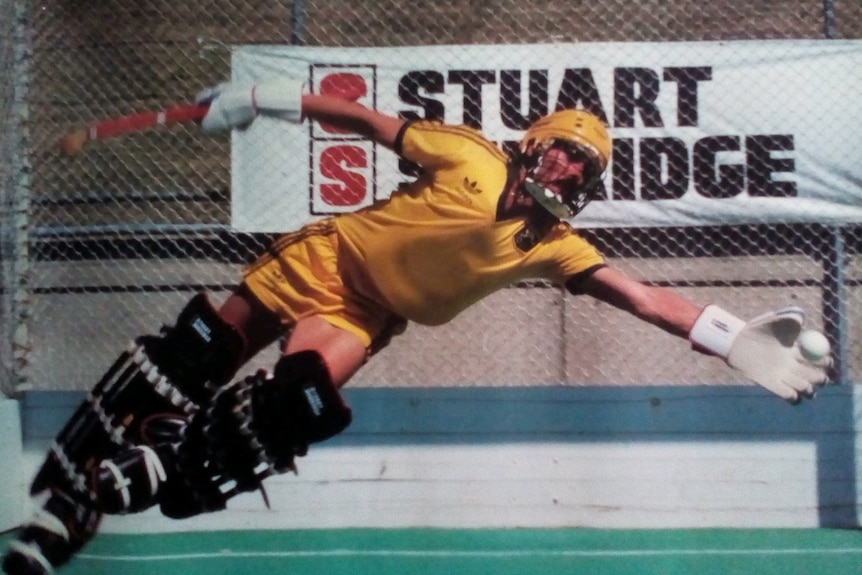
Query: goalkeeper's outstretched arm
(664, 308)
(765, 349)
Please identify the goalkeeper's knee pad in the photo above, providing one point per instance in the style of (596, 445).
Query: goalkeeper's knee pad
(252, 429)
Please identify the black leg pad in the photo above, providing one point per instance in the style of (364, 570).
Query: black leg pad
(252, 429)
(52, 536)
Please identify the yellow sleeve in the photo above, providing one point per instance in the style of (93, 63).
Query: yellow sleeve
(575, 256)
(434, 145)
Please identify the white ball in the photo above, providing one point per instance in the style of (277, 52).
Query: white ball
(813, 345)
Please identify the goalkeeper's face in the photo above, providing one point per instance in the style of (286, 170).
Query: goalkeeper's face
(563, 178)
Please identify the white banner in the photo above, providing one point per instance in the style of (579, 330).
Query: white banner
(705, 133)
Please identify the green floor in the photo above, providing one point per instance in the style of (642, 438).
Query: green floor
(474, 552)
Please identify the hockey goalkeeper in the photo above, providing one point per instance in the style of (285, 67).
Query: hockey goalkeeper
(171, 425)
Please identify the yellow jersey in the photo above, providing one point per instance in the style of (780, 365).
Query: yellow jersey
(436, 247)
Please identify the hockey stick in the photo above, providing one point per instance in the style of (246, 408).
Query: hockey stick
(74, 142)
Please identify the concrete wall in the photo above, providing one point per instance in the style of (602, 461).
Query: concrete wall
(84, 313)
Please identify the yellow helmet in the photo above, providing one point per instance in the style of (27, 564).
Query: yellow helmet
(579, 127)
(576, 128)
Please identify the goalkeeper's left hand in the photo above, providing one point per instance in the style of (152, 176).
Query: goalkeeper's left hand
(764, 349)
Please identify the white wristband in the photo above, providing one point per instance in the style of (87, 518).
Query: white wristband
(715, 330)
(280, 99)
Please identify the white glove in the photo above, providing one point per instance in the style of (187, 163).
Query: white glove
(765, 349)
(236, 106)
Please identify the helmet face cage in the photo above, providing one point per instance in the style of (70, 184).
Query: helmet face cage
(575, 198)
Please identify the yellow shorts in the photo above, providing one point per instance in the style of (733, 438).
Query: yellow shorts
(299, 276)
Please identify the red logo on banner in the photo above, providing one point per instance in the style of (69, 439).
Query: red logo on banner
(343, 165)
(346, 85)
(342, 161)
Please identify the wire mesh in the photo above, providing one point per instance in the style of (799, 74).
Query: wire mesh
(120, 237)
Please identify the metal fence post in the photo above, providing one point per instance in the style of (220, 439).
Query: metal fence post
(829, 29)
(835, 303)
(297, 37)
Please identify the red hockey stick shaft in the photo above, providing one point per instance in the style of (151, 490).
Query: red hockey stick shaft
(144, 120)
(72, 143)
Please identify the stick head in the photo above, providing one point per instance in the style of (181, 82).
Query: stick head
(73, 143)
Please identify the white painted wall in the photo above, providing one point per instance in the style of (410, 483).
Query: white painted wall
(538, 485)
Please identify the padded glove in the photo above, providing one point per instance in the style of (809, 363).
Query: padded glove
(765, 349)
(235, 106)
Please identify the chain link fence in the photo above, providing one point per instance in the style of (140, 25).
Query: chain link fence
(10, 177)
(118, 238)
